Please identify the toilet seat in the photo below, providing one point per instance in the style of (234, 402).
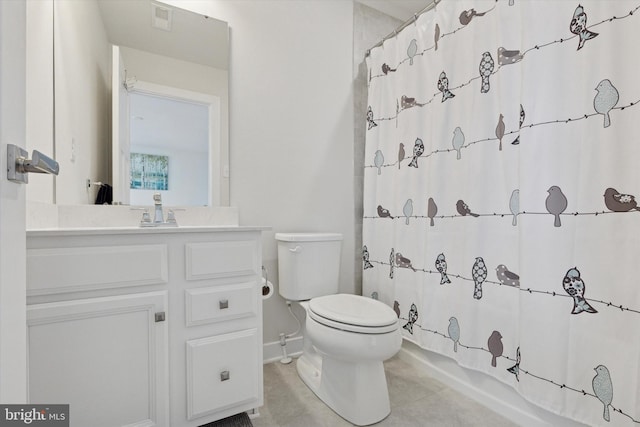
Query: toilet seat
(353, 313)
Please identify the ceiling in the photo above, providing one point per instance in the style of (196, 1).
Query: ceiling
(399, 9)
(129, 23)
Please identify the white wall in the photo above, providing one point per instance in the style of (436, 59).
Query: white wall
(83, 99)
(291, 124)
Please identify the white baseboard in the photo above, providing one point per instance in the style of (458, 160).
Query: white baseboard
(272, 351)
(482, 388)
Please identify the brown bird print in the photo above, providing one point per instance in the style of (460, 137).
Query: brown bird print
(436, 36)
(495, 347)
(384, 213)
(618, 202)
(432, 210)
(403, 262)
(467, 15)
(396, 308)
(401, 154)
(506, 57)
(500, 130)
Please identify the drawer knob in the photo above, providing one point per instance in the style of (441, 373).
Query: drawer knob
(223, 303)
(224, 375)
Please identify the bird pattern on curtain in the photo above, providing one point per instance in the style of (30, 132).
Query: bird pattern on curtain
(502, 159)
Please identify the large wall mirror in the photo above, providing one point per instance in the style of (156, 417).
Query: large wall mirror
(140, 103)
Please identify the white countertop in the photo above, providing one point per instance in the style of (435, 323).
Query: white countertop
(92, 231)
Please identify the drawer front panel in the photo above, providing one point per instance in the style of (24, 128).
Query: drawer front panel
(213, 260)
(222, 372)
(60, 270)
(219, 303)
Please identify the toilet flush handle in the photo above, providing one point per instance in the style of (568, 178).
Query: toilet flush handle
(297, 249)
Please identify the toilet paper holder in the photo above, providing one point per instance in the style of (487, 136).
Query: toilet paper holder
(267, 287)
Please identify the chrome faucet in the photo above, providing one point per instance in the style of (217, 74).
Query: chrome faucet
(158, 217)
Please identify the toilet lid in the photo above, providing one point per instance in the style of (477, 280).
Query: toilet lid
(353, 313)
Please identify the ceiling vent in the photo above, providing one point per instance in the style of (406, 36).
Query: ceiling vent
(161, 17)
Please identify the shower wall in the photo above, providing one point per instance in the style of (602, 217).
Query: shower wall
(369, 27)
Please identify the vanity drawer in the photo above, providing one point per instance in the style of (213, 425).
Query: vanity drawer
(214, 260)
(222, 372)
(220, 303)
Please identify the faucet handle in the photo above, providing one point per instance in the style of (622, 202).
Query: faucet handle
(171, 217)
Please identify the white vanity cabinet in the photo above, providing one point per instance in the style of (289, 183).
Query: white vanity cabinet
(145, 327)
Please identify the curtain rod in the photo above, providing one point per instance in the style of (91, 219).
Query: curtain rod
(403, 25)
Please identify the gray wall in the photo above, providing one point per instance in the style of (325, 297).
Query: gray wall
(369, 27)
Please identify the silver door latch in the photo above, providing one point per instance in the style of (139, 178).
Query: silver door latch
(19, 165)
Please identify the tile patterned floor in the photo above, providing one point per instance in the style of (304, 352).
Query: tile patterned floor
(417, 400)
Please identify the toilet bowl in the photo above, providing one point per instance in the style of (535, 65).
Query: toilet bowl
(345, 337)
(343, 355)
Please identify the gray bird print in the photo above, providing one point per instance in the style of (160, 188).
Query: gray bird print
(511, 2)
(370, 119)
(384, 213)
(365, 258)
(506, 57)
(556, 204)
(412, 50)
(436, 36)
(406, 102)
(618, 202)
(418, 149)
(464, 210)
(396, 308)
(401, 154)
(458, 141)
(517, 140)
(454, 332)
(403, 262)
(486, 68)
(378, 161)
(495, 347)
(441, 266)
(506, 277)
(392, 266)
(374, 295)
(500, 127)
(514, 206)
(515, 369)
(443, 86)
(578, 26)
(604, 101)
(479, 275)
(412, 318)
(575, 287)
(603, 388)
(467, 15)
(432, 210)
(407, 210)
(386, 69)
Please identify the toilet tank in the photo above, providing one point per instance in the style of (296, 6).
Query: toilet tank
(308, 264)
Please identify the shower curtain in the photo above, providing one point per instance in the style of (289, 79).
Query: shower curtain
(501, 200)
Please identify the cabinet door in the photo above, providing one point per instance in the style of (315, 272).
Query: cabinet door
(105, 357)
(222, 373)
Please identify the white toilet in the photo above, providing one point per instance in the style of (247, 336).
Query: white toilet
(346, 337)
